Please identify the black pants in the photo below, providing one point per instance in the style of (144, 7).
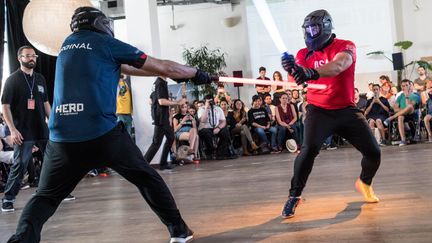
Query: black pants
(65, 164)
(222, 147)
(350, 124)
(159, 132)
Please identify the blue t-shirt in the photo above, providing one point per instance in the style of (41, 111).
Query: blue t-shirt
(87, 73)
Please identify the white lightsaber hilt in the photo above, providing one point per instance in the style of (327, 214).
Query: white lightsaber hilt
(268, 82)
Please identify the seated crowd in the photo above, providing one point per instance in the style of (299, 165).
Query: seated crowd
(221, 128)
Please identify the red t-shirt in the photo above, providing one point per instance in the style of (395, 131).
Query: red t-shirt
(340, 89)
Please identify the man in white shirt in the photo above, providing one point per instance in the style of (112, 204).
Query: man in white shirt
(213, 130)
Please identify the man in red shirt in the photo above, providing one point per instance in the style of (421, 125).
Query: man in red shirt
(330, 61)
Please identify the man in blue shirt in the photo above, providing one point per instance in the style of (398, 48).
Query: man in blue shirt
(83, 130)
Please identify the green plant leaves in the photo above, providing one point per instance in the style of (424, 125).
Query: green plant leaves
(404, 44)
(375, 53)
(211, 61)
(424, 64)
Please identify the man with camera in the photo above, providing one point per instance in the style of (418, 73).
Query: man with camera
(377, 111)
(213, 130)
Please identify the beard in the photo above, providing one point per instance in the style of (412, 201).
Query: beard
(29, 64)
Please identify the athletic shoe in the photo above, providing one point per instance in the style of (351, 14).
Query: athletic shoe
(402, 143)
(331, 147)
(290, 207)
(183, 238)
(25, 186)
(166, 167)
(366, 190)
(69, 198)
(7, 206)
(275, 150)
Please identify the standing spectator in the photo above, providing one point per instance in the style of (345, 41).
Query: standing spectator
(385, 79)
(213, 130)
(237, 121)
(278, 90)
(124, 103)
(222, 94)
(260, 122)
(261, 89)
(25, 108)
(420, 82)
(377, 111)
(162, 127)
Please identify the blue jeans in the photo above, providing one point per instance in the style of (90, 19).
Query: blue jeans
(127, 121)
(22, 157)
(283, 133)
(263, 136)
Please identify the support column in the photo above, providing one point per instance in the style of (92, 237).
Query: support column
(143, 33)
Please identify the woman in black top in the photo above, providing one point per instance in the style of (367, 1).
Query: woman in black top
(185, 129)
(237, 122)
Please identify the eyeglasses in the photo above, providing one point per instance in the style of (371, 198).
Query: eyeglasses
(29, 56)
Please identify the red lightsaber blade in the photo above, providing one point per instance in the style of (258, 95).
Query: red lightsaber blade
(267, 82)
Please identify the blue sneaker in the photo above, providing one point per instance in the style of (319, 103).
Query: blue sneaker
(290, 207)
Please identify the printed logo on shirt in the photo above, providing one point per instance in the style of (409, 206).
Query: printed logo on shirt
(76, 46)
(41, 89)
(69, 109)
(320, 63)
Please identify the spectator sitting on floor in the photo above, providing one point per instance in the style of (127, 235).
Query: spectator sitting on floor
(405, 106)
(237, 121)
(286, 118)
(260, 122)
(377, 111)
(213, 126)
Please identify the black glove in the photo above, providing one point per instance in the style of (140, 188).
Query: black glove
(302, 74)
(201, 77)
(181, 80)
(288, 63)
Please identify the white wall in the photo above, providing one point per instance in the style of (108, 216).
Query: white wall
(372, 25)
(415, 26)
(367, 23)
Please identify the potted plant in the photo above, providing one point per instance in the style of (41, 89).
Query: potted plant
(211, 61)
(403, 45)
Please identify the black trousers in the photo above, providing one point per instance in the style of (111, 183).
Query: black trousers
(350, 124)
(65, 164)
(159, 132)
(222, 147)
